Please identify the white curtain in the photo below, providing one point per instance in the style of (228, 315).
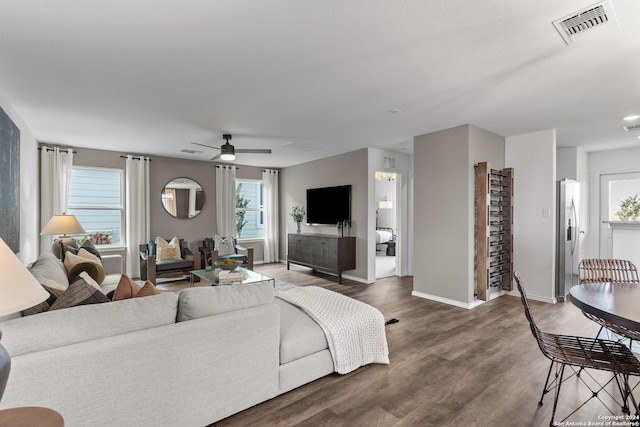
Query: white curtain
(271, 216)
(55, 175)
(226, 201)
(137, 208)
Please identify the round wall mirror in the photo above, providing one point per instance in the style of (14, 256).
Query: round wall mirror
(183, 198)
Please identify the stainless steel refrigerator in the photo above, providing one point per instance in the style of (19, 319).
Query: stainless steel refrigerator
(567, 237)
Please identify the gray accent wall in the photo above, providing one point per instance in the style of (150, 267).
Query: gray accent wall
(164, 169)
(444, 197)
(350, 168)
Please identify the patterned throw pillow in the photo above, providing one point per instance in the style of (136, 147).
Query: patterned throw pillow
(79, 293)
(167, 251)
(224, 245)
(55, 290)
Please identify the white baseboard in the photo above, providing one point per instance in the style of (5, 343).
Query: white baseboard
(448, 301)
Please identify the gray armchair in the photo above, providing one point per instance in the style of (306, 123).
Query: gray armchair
(209, 253)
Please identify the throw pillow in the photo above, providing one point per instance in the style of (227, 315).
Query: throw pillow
(224, 245)
(127, 288)
(88, 255)
(147, 290)
(87, 278)
(88, 246)
(167, 251)
(76, 264)
(54, 293)
(79, 293)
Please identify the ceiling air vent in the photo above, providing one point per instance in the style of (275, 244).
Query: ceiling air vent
(190, 151)
(595, 17)
(632, 128)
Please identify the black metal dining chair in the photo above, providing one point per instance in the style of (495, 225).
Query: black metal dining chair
(582, 353)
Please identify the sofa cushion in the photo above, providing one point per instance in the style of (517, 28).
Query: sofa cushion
(300, 335)
(47, 266)
(80, 292)
(58, 328)
(201, 302)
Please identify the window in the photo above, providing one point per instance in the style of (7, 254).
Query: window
(249, 209)
(624, 198)
(95, 198)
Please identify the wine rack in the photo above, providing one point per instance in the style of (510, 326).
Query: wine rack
(494, 230)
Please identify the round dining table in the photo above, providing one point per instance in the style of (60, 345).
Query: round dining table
(617, 303)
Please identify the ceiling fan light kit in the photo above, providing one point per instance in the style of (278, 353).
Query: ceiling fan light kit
(228, 151)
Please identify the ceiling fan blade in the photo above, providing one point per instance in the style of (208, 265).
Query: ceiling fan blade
(217, 156)
(254, 150)
(205, 145)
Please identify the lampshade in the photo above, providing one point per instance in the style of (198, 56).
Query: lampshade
(385, 204)
(61, 225)
(18, 288)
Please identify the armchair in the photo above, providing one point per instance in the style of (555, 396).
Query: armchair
(210, 253)
(151, 268)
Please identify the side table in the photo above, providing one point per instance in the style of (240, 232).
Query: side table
(32, 416)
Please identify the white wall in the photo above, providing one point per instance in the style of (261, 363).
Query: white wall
(533, 157)
(29, 186)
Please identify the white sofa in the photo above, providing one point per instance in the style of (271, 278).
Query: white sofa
(186, 359)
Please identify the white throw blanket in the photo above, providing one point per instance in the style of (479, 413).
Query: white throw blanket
(354, 330)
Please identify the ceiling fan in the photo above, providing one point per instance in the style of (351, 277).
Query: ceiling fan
(228, 151)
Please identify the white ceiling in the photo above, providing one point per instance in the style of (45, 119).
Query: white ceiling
(310, 79)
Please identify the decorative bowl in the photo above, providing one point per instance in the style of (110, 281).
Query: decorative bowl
(226, 265)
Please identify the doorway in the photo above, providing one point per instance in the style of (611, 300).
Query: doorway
(386, 204)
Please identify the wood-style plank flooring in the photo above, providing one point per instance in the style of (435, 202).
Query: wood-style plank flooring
(449, 366)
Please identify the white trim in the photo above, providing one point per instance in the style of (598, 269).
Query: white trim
(448, 301)
(534, 297)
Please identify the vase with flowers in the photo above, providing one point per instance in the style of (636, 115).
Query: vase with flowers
(297, 213)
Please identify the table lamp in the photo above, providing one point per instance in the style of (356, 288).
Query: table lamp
(62, 225)
(18, 290)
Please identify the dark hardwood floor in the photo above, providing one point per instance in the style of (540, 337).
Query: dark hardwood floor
(449, 366)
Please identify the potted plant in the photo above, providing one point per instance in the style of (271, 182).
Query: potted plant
(297, 213)
(629, 209)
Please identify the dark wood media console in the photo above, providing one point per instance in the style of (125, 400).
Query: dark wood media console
(322, 252)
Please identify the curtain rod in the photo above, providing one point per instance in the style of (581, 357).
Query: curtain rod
(225, 166)
(66, 150)
(136, 158)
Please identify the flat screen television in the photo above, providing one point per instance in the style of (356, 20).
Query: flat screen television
(328, 205)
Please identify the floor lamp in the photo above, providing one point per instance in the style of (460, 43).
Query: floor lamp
(62, 225)
(18, 290)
